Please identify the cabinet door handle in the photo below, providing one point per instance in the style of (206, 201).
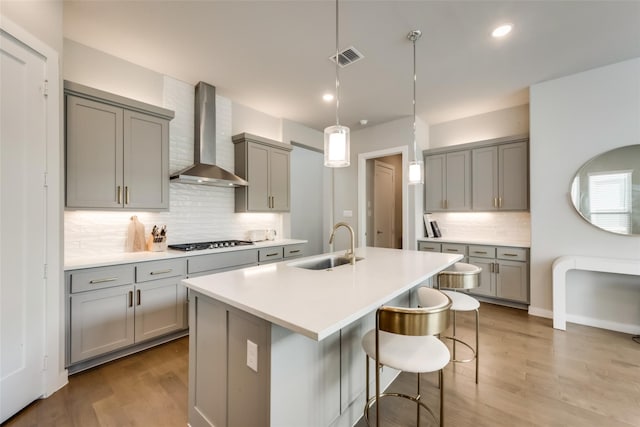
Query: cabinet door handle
(294, 251)
(138, 296)
(495, 202)
(119, 191)
(499, 202)
(452, 250)
(510, 254)
(497, 268)
(153, 273)
(491, 268)
(126, 195)
(480, 252)
(130, 298)
(272, 254)
(106, 279)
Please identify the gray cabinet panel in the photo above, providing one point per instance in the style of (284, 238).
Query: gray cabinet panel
(272, 254)
(159, 308)
(434, 178)
(91, 279)
(258, 177)
(294, 251)
(485, 178)
(94, 154)
(486, 280)
(227, 260)
(512, 281)
(279, 180)
(154, 270)
(146, 161)
(429, 247)
(101, 321)
(513, 178)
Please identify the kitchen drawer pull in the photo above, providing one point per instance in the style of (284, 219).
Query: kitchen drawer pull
(507, 254)
(107, 279)
(295, 251)
(139, 297)
(130, 298)
(453, 250)
(480, 252)
(169, 270)
(272, 254)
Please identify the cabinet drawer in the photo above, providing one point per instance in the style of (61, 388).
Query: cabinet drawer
(160, 269)
(225, 260)
(482, 251)
(98, 278)
(515, 254)
(452, 248)
(270, 254)
(292, 251)
(429, 247)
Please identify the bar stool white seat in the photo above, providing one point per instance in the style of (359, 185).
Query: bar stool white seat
(406, 339)
(462, 276)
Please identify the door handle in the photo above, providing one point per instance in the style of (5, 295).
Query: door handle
(378, 232)
(119, 191)
(138, 296)
(130, 298)
(126, 195)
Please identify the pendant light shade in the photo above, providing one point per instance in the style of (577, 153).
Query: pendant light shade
(416, 167)
(337, 137)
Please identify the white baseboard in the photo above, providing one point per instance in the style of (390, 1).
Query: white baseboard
(604, 324)
(540, 312)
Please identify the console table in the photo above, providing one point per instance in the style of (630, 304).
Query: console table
(565, 263)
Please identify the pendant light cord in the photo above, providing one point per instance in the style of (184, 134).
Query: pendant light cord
(414, 36)
(337, 66)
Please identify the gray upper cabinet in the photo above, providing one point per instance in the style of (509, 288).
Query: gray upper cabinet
(117, 151)
(480, 176)
(500, 177)
(265, 164)
(448, 178)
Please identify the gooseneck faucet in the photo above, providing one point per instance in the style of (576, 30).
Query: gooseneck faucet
(351, 254)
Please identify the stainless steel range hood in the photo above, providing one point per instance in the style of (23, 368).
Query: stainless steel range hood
(204, 170)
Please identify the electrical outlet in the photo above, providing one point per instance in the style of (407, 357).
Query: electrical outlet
(252, 355)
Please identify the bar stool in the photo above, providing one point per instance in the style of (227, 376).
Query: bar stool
(406, 339)
(457, 277)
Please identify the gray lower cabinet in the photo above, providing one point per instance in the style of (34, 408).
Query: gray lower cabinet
(505, 270)
(265, 164)
(117, 151)
(112, 308)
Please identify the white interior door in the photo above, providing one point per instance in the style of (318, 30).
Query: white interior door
(22, 225)
(384, 205)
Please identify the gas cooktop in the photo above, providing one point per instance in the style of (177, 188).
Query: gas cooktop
(210, 245)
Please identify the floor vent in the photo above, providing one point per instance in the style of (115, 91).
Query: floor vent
(347, 56)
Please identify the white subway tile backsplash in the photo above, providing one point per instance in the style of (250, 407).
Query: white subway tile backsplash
(196, 213)
(513, 226)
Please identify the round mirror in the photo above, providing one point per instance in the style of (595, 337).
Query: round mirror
(606, 190)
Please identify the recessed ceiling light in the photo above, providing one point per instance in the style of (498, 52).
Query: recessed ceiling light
(502, 30)
(328, 97)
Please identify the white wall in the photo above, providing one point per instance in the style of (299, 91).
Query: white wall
(42, 19)
(398, 133)
(573, 119)
(495, 124)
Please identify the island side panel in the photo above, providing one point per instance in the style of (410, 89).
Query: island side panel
(305, 379)
(207, 362)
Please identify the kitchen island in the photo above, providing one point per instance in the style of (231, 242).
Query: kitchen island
(279, 345)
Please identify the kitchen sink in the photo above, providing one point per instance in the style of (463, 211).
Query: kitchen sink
(326, 263)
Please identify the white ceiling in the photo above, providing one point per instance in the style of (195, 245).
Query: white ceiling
(273, 55)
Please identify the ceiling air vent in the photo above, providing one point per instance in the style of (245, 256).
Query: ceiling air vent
(347, 56)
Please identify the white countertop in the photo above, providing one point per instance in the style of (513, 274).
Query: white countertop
(478, 241)
(132, 257)
(317, 303)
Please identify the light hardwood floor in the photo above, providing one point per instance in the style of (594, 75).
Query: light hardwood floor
(530, 375)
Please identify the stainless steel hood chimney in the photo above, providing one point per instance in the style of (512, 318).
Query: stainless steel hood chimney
(204, 170)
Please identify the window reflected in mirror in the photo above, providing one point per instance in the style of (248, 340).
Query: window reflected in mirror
(606, 190)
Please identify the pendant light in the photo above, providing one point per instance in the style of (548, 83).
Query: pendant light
(416, 167)
(336, 138)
